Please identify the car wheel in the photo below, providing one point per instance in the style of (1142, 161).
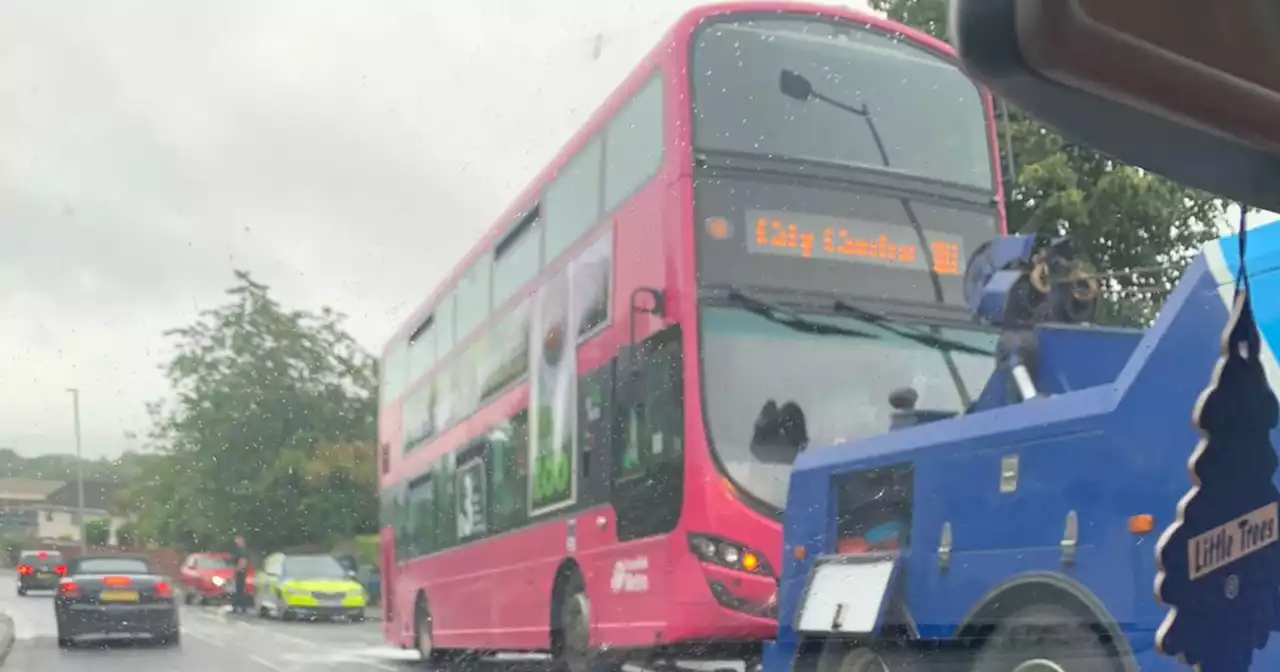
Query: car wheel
(65, 642)
(357, 617)
(22, 590)
(171, 638)
(188, 598)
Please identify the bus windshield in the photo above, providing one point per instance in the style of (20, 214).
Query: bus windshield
(927, 113)
(840, 383)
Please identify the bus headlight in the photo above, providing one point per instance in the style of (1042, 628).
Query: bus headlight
(728, 554)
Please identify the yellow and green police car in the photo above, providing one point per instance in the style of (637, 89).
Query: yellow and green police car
(307, 586)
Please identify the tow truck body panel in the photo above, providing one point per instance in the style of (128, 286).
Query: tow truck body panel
(1041, 491)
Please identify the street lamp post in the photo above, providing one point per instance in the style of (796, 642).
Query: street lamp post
(75, 409)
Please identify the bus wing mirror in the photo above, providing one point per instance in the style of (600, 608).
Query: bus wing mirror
(1189, 90)
(655, 304)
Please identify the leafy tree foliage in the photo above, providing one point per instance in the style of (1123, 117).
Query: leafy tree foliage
(97, 532)
(59, 467)
(270, 434)
(1137, 228)
(126, 535)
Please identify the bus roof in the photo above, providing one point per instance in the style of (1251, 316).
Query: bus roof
(675, 36)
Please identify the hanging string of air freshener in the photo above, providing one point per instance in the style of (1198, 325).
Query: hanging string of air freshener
(1242, 278)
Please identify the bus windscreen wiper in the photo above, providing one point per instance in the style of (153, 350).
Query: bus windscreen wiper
(924, 338)
(775, 313)
(945, 346)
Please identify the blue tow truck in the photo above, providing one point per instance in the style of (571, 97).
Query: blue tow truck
(1026, 529)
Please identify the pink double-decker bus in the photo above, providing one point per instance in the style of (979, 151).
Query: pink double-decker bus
(586, 430)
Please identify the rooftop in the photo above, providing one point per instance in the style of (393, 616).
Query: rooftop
(28, 489)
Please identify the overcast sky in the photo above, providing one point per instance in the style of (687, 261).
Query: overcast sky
(343, 155)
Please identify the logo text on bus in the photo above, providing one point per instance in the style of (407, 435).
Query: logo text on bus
(629, 575)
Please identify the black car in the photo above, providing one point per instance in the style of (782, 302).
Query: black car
(39, 570)
(115, 595)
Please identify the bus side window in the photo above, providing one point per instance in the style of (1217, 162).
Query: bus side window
(471, 491)
(446, 532)
(648, 441)
(420, 516)
(594, 440)
(507, 443)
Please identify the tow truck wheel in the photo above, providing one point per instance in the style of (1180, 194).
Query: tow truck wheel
(853, 660)
(840, 657)
(1045, 638)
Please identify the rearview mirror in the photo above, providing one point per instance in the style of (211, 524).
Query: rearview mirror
(1190, 90)
(795, 85)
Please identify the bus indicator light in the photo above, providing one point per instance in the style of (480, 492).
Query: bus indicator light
(718, 228)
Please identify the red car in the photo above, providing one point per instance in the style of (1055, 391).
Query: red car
(209, 577)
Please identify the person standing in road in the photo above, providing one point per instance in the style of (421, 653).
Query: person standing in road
(240, 560)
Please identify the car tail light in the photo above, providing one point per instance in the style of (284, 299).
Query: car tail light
(163, 589)
(43, 556)
(116, 581)
(24, 569)
(68, 589)
(60, 570)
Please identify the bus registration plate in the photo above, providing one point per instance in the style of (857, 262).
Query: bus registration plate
(847, 594)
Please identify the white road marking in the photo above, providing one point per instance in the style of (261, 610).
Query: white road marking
(316, 651)
(268, 664)
(204, 638)
(338, 656)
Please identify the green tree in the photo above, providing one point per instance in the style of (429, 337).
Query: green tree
(1138, 228)
(127, 536)
(97, 532)
(271, 433)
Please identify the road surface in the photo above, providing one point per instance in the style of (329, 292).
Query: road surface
(212, 641)
(215, 641)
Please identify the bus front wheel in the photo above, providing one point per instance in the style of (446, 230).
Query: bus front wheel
(422, 638)
(574, 652)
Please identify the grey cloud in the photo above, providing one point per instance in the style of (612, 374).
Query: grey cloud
(345, 155)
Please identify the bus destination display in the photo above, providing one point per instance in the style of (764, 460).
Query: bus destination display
(824, 237)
